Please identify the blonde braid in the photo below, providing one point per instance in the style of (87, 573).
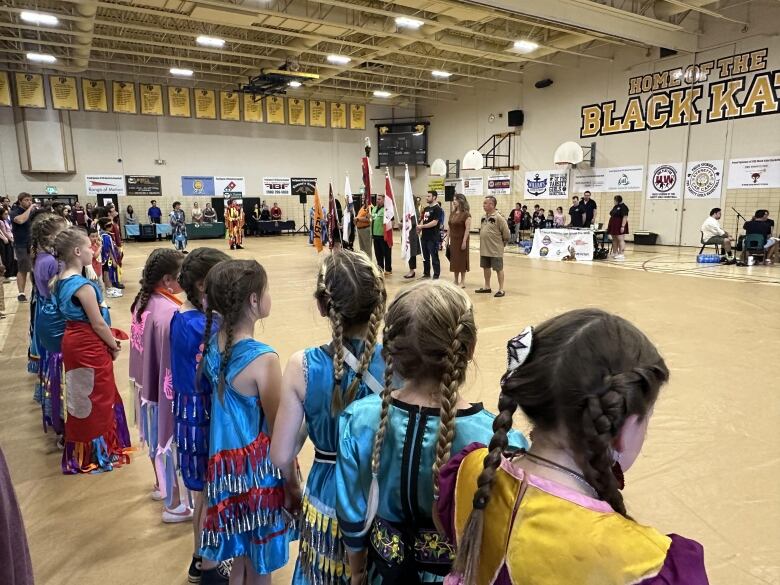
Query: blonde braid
(337, 403)
(368, 352)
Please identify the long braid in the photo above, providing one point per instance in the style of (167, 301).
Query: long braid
(379, 438)
(161, 262)
(225, 359)
(206, 339)
(336, 404)
(368, 352)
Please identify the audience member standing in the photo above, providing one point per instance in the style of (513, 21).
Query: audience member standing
(209, 214)
(618, 227)
(588, 208)
(276, 212)
(559, 218)
(712, 233)
(383, 252)
(155, 216)
(458, 236)
(21, 214)
(493, 236)
(430, 235)
(7, 244)
(197, 213)
(515, 223)
(575, 213)
(363, 223)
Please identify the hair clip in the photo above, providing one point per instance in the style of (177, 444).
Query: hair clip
(518, 349)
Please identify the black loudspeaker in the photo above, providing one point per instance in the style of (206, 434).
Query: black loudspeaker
(542, 83)
(516, 118)
(449, 192)
(302, 199)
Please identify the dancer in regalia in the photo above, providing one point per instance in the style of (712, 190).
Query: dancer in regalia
(246, 518)
(391, 447)
(234, 222)
(96, 434)
(318, 384)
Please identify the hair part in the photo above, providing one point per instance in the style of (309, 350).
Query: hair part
(194, 270)
(44, 230)
(161, 262)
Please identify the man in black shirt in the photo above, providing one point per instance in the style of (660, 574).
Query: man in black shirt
(588, 207)
(429, 234)
(575, 213)
(762, 225)
(21, 219)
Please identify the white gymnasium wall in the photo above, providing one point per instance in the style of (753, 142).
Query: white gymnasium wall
(552, 116)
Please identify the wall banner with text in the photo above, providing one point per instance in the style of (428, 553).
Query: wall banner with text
(499, 185)
(64, 92)
(754, 173)
(29, 90)
(94, 94)
(317, 114)
(123, 97)
(197, 186)
(665, 181)
(704, 179)
(151, 99)
(5, 89)
(105, 185)
(276, 186)
(303, 185)
(473, 186)
(145, 185)
(230, 187)
(550, 184)
(624, 179)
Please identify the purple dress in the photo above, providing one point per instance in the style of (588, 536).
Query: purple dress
(48, 328)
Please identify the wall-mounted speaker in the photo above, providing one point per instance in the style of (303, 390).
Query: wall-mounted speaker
(449, 192)
(542, 83)
(515, 118)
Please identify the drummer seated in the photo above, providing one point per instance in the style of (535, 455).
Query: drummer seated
(763, 226)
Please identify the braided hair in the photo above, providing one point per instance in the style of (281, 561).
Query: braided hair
(351, 290)
(587, 372)
(64, 247)
(227, 288)
(194, 270)
(429, 334)
(43, 231)
(161, 262)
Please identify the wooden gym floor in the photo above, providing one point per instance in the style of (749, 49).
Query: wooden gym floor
(710, 469)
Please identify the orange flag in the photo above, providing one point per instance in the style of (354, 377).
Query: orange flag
(317, 221)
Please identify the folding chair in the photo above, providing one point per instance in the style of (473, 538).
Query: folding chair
(754, 246)
(704, 244)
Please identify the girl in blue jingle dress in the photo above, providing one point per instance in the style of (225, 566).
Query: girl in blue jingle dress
(318, 383)
(192, 401)
(246, 519)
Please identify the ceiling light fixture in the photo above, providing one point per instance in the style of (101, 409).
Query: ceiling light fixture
(39, 18)
(381, 93)
(525, 46)
(295, 84)
(205, 41)
(406, 22)
(441, 74)
(338, 59)
(41, 58)
(181, 72)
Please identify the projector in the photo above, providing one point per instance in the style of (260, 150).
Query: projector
(274, 82)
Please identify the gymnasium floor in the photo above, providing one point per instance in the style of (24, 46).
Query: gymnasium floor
(710, 469)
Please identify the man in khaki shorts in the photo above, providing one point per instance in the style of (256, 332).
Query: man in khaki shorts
(493, 236)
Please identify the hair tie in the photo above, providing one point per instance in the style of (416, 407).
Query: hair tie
(518, 349)
(359, 375)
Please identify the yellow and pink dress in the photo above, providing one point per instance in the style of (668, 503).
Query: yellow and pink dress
(539, 532)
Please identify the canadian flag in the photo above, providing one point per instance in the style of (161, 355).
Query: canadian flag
(389, 210)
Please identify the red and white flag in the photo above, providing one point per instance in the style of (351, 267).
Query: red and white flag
(410, 213)
(389, 210)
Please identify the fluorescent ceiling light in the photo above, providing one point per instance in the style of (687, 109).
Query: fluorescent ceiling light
(181, 72)
(406, 22)
(295, 84)
(339, 59)
(381, 93)
(442, 74)
(210, 41)
(39, 18)
(41, 58)
(525, 46)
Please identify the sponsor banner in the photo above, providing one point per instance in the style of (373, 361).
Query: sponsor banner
(303, 185)
(552, 184)
(665, 181)
(197, 186)
(105, 185)
(436, 184)
(473, 185)
(64, 93)
(276, 186)
(499, 185)
(589, 179)
(554, 244)
(29, 90)
(624, 179)
(229, 187)
(146, 185)
(704, 179)
(754, 173)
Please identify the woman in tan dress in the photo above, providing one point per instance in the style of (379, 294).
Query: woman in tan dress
(458, 238)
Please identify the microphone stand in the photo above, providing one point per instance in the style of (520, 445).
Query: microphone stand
(736, 226)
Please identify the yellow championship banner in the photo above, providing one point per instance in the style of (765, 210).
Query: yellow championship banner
(338, 115)
(5, 89)
(29, 90)
(151, 99)
(94, 92)
(253, 108)
(317, 116)
(123, 97)
(357, 116)
(205, 104)
(64, 93)
(228, 106)
(275, 107)
(179, 102)
(296, 112)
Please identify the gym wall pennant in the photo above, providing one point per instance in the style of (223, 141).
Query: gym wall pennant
(712, 91)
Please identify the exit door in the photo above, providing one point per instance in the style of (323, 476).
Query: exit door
(662, 216)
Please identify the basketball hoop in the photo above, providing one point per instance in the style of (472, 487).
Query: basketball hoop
(568, 154)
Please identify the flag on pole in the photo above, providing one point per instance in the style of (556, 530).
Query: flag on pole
(317, 220)
(348, 210)
(410, 212)
(367, 177)
(333, 220)
(389, 210)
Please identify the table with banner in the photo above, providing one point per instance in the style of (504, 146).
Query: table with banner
(201, 231)
(554, 244)
(275, 226)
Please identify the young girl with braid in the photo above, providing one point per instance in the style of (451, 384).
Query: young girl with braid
(391, 447)
(554, 513)
(319, 382)
(96, 435)
(150, 376)
(192, 401)
(246, 518)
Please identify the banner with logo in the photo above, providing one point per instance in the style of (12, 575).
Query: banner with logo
(589, 179)
(276, 186)
(303, 185)
(105, 185)
(144, 185)
(228, 106)
(317, 115)
(253, 108)
(275, 105)
(473, 185)
(229, 187)
(151, 99)
(754, 173)
(197, 186)
(64, 93)
(552, 184)
(436, 184)
(123, 97)
(29, 90)
(179, 102)
(665, 181)
(704, 179)
(499, 185)
(205, 104)
(94, 92)
(554, 244)
(624, 179)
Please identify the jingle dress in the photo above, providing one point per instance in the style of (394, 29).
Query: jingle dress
(322, 558)
(403, 544)
(96, 434)
(245, 515)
